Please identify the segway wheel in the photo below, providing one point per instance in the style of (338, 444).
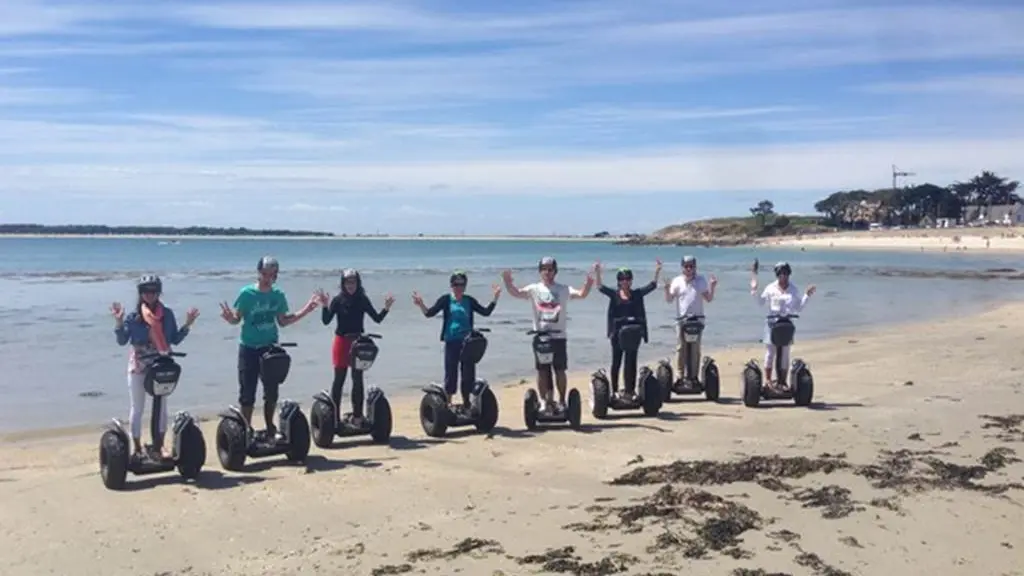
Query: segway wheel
(323, 421)
(531, 406)
(298, 435)
(751, 387)
(664, 375)
(712, 384)
(804, 388)
(574, 409)
(114, 457)
(380, 433)
(434, 415)
(488, 418)
(193, 452)
(231, 448)
(601, 398)
(652, 400)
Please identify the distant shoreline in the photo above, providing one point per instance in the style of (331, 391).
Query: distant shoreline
(492, 238)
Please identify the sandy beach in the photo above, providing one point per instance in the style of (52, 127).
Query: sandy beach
(995, 239)
(905, 465)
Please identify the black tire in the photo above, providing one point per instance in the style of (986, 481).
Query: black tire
(231, 448)
(652, 395)
(602, 396)
(804, 388)
(574, 409)
(712, 382)
(114, 458)
(193, 452)
(323, 421)
(531, 405)
(434, 415)
(298, 436)
(488, 418)
(380, 432)
(751, 387)
(664, 375)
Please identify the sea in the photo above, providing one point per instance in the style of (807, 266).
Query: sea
(60, 365)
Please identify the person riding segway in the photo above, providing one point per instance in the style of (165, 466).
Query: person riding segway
(260, 308)
(464, 347)
(627, 328)
(690, 291)
(784, 301)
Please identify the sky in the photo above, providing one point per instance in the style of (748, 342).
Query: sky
(525, 117)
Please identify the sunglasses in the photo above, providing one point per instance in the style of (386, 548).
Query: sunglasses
(150, 291)
(458, 285)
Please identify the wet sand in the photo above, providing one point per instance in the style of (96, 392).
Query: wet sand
(905, 464)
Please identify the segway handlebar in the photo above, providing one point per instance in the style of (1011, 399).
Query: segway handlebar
(482, 329)
(153, 355)
(287, 344)
(689, 317)
(542, 332)
(781, 316)
(627, 320)
(366, 334)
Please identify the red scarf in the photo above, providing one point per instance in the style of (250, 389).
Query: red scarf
(155, 319)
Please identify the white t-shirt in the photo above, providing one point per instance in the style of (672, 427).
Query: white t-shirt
(689, 295)
(782, 302)
(549, 306)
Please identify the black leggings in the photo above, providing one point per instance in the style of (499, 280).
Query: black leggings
(357, 390)
(629, 371)
(454, 367)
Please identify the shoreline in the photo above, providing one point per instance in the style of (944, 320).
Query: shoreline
(408, 398)
(880, 475)
(487, 238)
(1004, 240)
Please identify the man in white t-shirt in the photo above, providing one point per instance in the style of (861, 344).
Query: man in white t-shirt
(689, 290)
(782, 298)
(549, 300)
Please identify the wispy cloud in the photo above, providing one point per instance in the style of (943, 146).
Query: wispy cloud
(978, 84)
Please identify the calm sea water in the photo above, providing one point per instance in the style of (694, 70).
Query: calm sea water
(62, 367)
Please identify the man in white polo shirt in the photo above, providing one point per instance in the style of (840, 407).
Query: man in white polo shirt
(689, 290)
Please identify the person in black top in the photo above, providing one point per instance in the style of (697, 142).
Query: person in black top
(457, 323)
(625, 302)
(349, 307)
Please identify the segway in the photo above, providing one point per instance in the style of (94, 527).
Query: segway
(189, 449)
(692, 331)
(237, 440)
(532, 413)
(781, 330)
(437, 414)
(630, 332)
(377, 413)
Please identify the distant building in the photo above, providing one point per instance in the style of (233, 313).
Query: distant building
(1003, 214)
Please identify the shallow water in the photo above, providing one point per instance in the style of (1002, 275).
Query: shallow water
(62, 367)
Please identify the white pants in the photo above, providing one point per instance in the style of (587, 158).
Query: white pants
(769, 358)
(137, 396)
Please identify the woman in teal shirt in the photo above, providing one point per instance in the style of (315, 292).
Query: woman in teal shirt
(458, 308)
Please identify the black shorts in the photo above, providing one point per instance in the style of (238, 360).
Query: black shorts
(559, 347)
(249, 377)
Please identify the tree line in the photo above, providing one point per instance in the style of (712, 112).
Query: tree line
(101, 230)
(910, 205)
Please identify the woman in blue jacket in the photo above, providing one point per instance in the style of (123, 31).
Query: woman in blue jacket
(457, 323)
(151, 329)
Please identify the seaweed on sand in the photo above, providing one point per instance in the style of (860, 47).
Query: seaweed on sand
(564, 560)
(749, 469)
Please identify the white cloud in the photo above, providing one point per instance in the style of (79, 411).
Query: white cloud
(976, 84)
(304, 207)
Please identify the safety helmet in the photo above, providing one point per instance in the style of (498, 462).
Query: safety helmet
(149, 283)
(623, 274)
(689, 259)
(267, 263)
(458, 277)
(548, 261)
(783, 268)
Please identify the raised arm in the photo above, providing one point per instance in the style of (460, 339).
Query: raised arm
(120, 330)
(329, 309)
(434, 309)
(511, 288)
(801, 301)
(580, 294)
(378, 317)
(485, 310)
(178, 334)
(285, 318)
(709, 294)
(607, 291)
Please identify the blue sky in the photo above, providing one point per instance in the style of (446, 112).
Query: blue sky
(514, 117)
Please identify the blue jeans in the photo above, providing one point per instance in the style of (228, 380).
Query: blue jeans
(453, 365)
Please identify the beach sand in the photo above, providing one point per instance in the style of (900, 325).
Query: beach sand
(481, 506)
(994, 239)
